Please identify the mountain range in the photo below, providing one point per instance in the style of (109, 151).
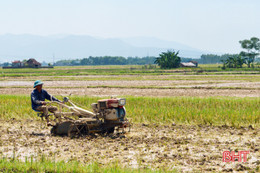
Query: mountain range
(57, 47)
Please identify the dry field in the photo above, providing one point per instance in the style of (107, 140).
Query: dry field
(149, 86)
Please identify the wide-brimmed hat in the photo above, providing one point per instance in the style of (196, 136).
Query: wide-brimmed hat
(38, 82)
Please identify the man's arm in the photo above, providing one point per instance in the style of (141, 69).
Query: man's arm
(49, 97)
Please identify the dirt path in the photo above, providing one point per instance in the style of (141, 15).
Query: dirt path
(104, 92)
(176, 83)
(186, 148)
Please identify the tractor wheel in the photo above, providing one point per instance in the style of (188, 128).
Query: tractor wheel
(61, 128)
(76, 131)
(110, 130)
(53, 130)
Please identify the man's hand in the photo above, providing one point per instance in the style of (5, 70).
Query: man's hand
(43, 103)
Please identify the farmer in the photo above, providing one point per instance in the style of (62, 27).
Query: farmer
(38, 97)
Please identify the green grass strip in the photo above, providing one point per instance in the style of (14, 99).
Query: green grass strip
(231, 111)
(120, 70)
(48, 165)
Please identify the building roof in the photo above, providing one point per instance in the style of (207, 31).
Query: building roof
(33, 61)
(15, 62)
(188, 64)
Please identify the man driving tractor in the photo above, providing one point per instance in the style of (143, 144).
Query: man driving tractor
(38, 97)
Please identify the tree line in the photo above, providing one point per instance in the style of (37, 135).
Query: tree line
(107, 60)
(119, 60)
(209, 58)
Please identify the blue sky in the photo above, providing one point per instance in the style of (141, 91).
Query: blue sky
(212, 25)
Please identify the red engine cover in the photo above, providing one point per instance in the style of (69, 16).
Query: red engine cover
(112, 103)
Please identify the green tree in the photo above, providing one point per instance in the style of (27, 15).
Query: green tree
(236, 61)
(252, 47)
(169, 59)
(239, 61)
(6, 64)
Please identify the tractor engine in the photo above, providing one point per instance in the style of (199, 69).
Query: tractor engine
(110, 109)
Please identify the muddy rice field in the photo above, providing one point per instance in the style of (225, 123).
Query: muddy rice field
(187, 148)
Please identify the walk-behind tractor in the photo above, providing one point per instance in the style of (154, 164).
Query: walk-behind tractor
(108, 115)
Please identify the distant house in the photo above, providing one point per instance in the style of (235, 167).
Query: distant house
(195, 62)
(33, 63)
(188, 64)
(17, 64)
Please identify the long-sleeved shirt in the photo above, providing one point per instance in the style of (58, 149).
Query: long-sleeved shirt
(37, 97)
